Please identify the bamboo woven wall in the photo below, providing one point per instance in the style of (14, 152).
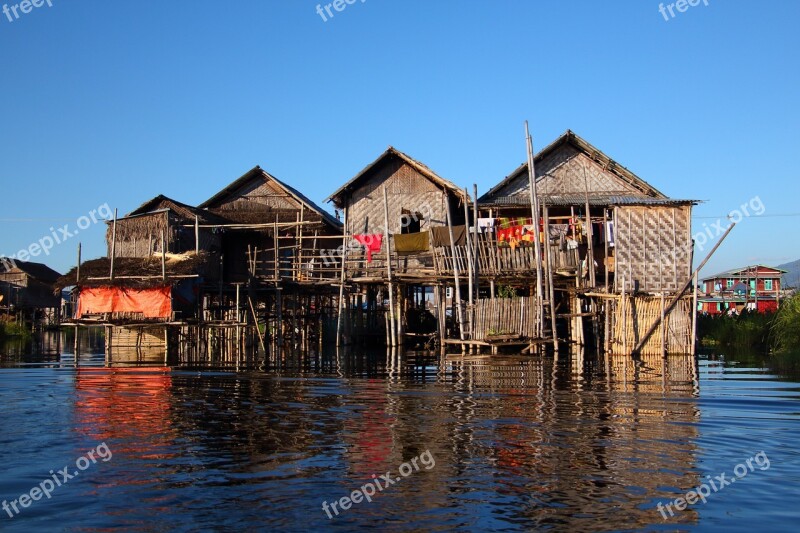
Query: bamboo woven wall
(633, 316)
(505, 316)
(406, 189)
(653, 247)
(564, 169)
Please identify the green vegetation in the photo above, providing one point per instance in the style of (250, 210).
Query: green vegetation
(786, 337)
(747, 332)
(9, 328)
(775, 336)
(504, 291)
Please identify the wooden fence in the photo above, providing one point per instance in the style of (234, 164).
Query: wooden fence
(505, 318)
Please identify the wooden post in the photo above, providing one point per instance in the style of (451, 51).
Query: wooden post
(470, 263)
(476, 263)
(238, 327)
(78, 272)
(589, 233)
(341, 282)
(605, 245)
(694, 316)
(276, 252)
(535, 219)
(392, 319)
(196, 235)
(164, 257)
(663, 339)
(455, 268)
(624, 317)
(550, 284)
(299, 259)
(113, 244)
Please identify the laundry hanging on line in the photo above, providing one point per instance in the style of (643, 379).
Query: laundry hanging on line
(411, 243)
(372, 243)
(440, 236)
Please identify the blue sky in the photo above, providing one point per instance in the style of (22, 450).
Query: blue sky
(116, 102)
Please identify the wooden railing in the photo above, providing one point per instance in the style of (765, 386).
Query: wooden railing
(294, 264)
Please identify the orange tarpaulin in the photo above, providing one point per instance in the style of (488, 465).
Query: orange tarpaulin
(152, 303)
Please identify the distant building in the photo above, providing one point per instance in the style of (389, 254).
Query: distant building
(754, 288)
(27, 288)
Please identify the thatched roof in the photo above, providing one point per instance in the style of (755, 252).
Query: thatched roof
(256, 214)
(38, 271)
(392, 152)
(184, 211)
(137, 272)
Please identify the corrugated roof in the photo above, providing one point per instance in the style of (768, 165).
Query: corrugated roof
(580, 199)
(745, 272)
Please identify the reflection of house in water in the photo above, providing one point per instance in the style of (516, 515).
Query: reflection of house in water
(581, 454)
(127, 407)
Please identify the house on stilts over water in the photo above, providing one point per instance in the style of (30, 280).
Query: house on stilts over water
(597, 264)
(398, 214)
(591, 255)
(195, 283)
(620, 248)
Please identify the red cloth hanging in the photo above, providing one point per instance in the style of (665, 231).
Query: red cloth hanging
(372, 243)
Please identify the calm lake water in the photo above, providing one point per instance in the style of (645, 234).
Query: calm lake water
(581, 444)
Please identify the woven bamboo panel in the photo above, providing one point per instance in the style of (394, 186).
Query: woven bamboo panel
(564, 169)
(633, 316)
(260, 193)
(653, 247)
(406, 189)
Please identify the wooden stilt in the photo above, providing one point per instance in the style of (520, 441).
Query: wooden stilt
(341, 282)
(113, 245)
(470, 265)
(551, 296)
(535, 220)
(694, 316)
(457, 294)
(392, 319)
